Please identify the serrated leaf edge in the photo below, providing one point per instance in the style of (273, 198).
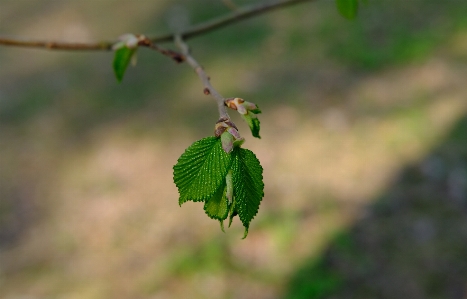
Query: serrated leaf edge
(223, 198)
(238, 206)
(182, 199)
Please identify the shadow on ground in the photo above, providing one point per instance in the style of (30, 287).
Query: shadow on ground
(411, 243)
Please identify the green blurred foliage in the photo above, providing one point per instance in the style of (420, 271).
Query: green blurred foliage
(389, 34)
(347, 8)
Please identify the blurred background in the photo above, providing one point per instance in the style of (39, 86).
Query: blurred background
(364, 149)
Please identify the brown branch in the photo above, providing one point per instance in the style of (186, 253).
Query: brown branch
(235, 16)
(230, 4)
(238, 15)
(146, 42)
(208, 88)
(55, 45)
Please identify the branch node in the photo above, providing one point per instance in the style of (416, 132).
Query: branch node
(146, 42)
(208, 89)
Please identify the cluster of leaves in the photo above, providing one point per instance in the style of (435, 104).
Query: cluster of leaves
(216, 170)
(229, 184)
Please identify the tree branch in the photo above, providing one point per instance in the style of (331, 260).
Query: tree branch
(238, 15)
(146, 42)
(208, 89)
(55, 45)
(235, 16)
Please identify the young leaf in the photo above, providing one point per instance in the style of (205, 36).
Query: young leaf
(253, 123)
(122, 58)
(248, 185)
(248, 111)
(227, 140)
(232, 212)
(201, 170)
(347, 8)
(255, 127)
(229, 187)
(217, 206)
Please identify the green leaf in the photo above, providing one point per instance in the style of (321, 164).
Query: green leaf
(229, 184)
(347, 8)
(255, 127)
(253, 123)
(121, 60)
(248, 185)
(229, 187)
(256, 111)
(232, 212)
(217, 207)
(201, 170)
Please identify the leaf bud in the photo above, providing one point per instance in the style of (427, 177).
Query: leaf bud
(227, 142)
(128, 40)
(228, 132)
(243, 107)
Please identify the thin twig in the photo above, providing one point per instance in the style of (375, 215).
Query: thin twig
(238, 15)
(208, 89)
(55, 45)
(230, 4)
(146, 42)
(235, 16)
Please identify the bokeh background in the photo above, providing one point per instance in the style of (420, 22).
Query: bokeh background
(364, 149)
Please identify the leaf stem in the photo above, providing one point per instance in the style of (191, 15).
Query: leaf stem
(208, 88)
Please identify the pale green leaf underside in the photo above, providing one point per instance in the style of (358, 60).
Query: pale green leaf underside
(121, 60)
(201, 169)
(217, 206)
(248, 184)
(347, 8)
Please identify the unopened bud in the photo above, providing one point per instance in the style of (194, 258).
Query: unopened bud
(229, 189)
(227, 142)
(219, 129)
(127, 40)
(223, 124)
(234, 132)
(228, 132)
(243, 107)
